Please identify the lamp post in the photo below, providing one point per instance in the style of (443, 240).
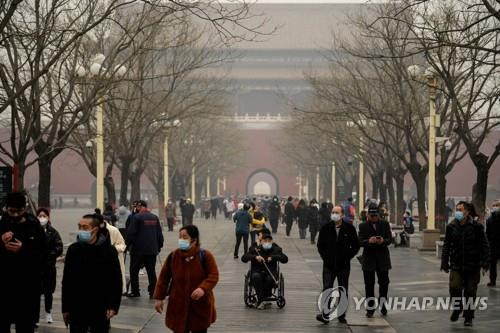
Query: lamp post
(300, 184)
(96, 72)
(334, 184)
(317, 184)
(208, 184)
(166, 174)
(193, 182)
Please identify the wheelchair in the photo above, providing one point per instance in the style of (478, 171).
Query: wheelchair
(278, 292)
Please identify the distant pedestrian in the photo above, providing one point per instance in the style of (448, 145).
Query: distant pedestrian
(206, 208)
(313, 219)
(493, 233)
(324, 214)
(258, 223)
(170, 213)
(274, 213)
(243, 220)
(229, 208)
(22, 257)
(337, 244)
(302, 218)
(289, 216)
(375, 236)
(214, 207)
(350, 211)
(92, 279)
(121, 223)
(54, 250)
(187, 279)
(145, 240)
(187, 211)
(465, 252)
(109, 215)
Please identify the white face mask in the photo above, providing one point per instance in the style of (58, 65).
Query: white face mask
(43, 220)
(335, 217)
(495, 209)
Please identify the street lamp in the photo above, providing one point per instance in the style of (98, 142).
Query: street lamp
(96, 70)
(166, 175)
(334, 185)
(317, 184)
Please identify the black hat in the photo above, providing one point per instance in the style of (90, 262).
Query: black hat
(373, 209)
(267, 236)
(16, 200)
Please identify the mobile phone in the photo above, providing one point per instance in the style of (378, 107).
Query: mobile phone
(379, 237)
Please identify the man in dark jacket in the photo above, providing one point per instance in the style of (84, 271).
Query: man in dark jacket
(274, 212)
(145, 240)
(375, 236)
(465, 251)
(313, 219)
(92, 280)
(337, 244)
(243, 219)
(187, 211)
(22, 253)
(493, 233)
(289, 215)
(324, 214)
(269, 253)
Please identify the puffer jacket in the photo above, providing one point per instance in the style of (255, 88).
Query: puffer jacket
(465, 247)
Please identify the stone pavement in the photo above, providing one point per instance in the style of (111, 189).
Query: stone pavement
(413, 274)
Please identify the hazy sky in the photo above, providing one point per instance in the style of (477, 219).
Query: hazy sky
(312, 1)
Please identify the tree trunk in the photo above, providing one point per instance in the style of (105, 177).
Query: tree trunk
(18, 176)
(421, 199)
(44, 181)
(479, 190)
(400, 189)
(375, 185)
(125, 174)
(135, 186)
(383, 188)
(392, 195)
(109, 184)
(441, 208)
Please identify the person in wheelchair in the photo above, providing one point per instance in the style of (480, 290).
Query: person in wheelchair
(264, 253)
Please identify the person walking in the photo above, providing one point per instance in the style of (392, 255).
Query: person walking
(22, 256)
(54, 250)
(121, 223)
(187, 210)
(337, 244)
(350, 211)
(313, 219)
(145, 240)
(493, 233)
(465, 252)
(92, 279)
(302, 218)
(187, 279)
(289, 215)
(324, 214)
(170, 214)
(274, 210)
(375, 236)
(243, 220)
(258, 223)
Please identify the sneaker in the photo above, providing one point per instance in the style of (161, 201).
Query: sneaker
(268, 305)
(236, 257)
(261, 306)
(319, 317)
(133, 295)
(455, 315)
(383, 311)
(141, 272)
(468, 322)
(48, 317)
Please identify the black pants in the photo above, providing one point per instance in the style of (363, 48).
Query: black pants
(464, 284)
(493, 268)
(274, 224)
(239, 236)
(253, 235)
(342, 276)
(383, 287)
(263, 284)
(289, 224)
(170, 222)
(313, 229)
(89, 322)
(22, 311)
(138, 261)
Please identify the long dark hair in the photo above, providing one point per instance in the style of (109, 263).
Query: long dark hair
(193, 232)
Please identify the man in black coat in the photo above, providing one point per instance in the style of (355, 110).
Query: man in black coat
(269, 253)
(92, 279)
(187, 211)
(289, 215)
(337, 244)
(144, 240)
(274, 212)
(22, 253)
(465, 251)
(375, 236)
(493, 233)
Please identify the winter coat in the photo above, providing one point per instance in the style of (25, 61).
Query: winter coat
(181, 274)
(303, 217)
(144, 235)
(92, 279)
(324, 215)
(290, 212)
(465, 247)
(338, 250)
(188, 210)
(493, 233)
(258, 224)
(313, 216)
(243, 219)
(118, 243)
(170, 211)
(274, 210)
(54, 251)
(22, 271)
(276, 253)
(375, 257)
(123, 214)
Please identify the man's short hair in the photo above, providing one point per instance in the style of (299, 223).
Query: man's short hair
(15, 200)
(142, 203)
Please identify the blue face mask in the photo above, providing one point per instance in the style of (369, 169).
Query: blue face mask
(84, 236)
(184, 244)
(267, 246)
(459, 216)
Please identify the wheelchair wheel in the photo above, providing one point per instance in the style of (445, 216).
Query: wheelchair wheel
(281, 302)
(247, 296)
(281, 293)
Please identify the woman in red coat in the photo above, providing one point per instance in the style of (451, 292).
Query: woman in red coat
(187, 279)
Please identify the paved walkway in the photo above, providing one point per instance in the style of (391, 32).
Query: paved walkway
(413, 274)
